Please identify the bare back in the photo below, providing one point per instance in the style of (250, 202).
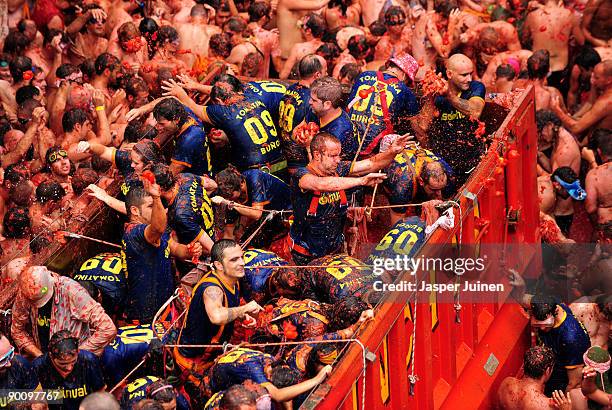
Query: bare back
(598, 183)
(594, 321)
(290, 33)
(550, 29)
(521, 394)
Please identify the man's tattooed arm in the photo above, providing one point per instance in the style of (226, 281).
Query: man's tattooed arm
(218, 314)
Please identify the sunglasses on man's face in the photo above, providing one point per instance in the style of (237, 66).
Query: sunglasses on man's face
(94, 21)
(8, 356)
(395, 22)
(55, 156)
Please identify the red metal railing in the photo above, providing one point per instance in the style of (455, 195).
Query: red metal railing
(459, 365)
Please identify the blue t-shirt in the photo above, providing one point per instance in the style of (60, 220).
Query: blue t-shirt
(106, 273)
(404, 238)
(192, 149)
(137, 391)
(148, 270)
(123, 162)
(251, 132)
(237, 366)
(254, 285)
(267, 189)
(345, 130)
(452, 134)
(293, 109)
(568, 341)
(400, 99)
(319, 231)
(85, 378)
(268, 92)
(191, 214)
(20, 375)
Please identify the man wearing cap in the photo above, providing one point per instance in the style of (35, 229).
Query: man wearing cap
(452, 134)
(50, 303)
(15, 371)
(562, 184)
(76, 373)
(383, 100)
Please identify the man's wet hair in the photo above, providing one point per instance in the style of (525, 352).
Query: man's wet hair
(137, 129)
(218, 249)
(99, 164)
(104, 61)
(221, 92)
(134, 85)
(319, 141)
(135, 197)
(73, 117)
(88, 68)
(545, 117)
(167, 34)
(329, 51)
(49, 191)
(82, 178)
(543, 305)
(358, 46)
(16, 43)
(345, 313)
(537, 360)
(505, 71)
(316, 24)
(148, 28)
(538, 64)
(566, 174)
(236, 397)
(350, 71)
(328, 89)
(198, 10)
(16, 173)
(221, 44)
(163, 176)
(39, 243)
(62, 343)
(432, 169)
(284, 376)
(164, 392)
(258, 10)
(251, 63)
(171, 109)
(228, 181)
(235, 24)
(16, 223)
(444, 7)
(26, 92)
(18, 66)
(392, 12)
(308, 66)
(604, 141)
(587, 57)
(21, 193)
(127, 31)
(378, 28)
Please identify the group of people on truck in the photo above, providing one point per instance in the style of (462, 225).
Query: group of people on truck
(238, 200)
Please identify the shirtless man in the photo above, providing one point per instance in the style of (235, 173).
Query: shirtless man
(289, 13)
(91, 43)
(550, 27)
(596, 22)
(313, 27)
(130, 47)
(556, 147)
(580, 77)
(267, 40)
(195, 34)
(527, 393)
(596, 318)
(398, 37)
(538, 67)
(595, 115)
(598, 182)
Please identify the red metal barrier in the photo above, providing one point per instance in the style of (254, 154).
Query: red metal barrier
(459, 365)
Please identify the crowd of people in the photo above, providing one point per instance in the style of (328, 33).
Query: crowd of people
(237, 142)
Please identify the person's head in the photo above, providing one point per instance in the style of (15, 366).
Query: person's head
(538, 362)
(604, 144)
(601, 78)
(82, 178)
(36, 286)
(433, 179)
(236, 27)
(505, 73)
(12, 138)
(259, 12)
(488, 41)
(326, 150)
(16, 43)
(7, 352)
(321, 355)
(330, 52)
(313, 26)
(21, 69)
(586, 59)
(230, 183)
(145, 153)
(566, 184)
(163, 393)
(325, 95)
(24, 112)
(238, 397)
(63, 352)
(109, 66)
(49, 35)
(459, 70)
(283, 376)
(168, 39)
(199, 14)
(27, 92)
(49, 191)
(15, 173)
(27, 27)
(226, 257)
(548, 125)
(129, 37)
(225, 89)
(223, 14)
(250, 64)
(136, 130)
(395, 20)
(358, 46)
(16, 223)
(148, 28)
(543, 312)
(348, 73)
(100, 400)
(5, 72)
(57, 160)
(170, 115)
(220, 45)
(345, 313)
(405, 67)
(163, 176)
(69, 72)
(136, 91)
(311, 67)
(75, 121)
(22, 194)
(538, 65)
(138, 205)
(93, 25)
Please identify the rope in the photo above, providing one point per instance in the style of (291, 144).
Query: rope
(267, 219)
(129, 374)
(232, 204)
(413, 377)
(309, 266)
